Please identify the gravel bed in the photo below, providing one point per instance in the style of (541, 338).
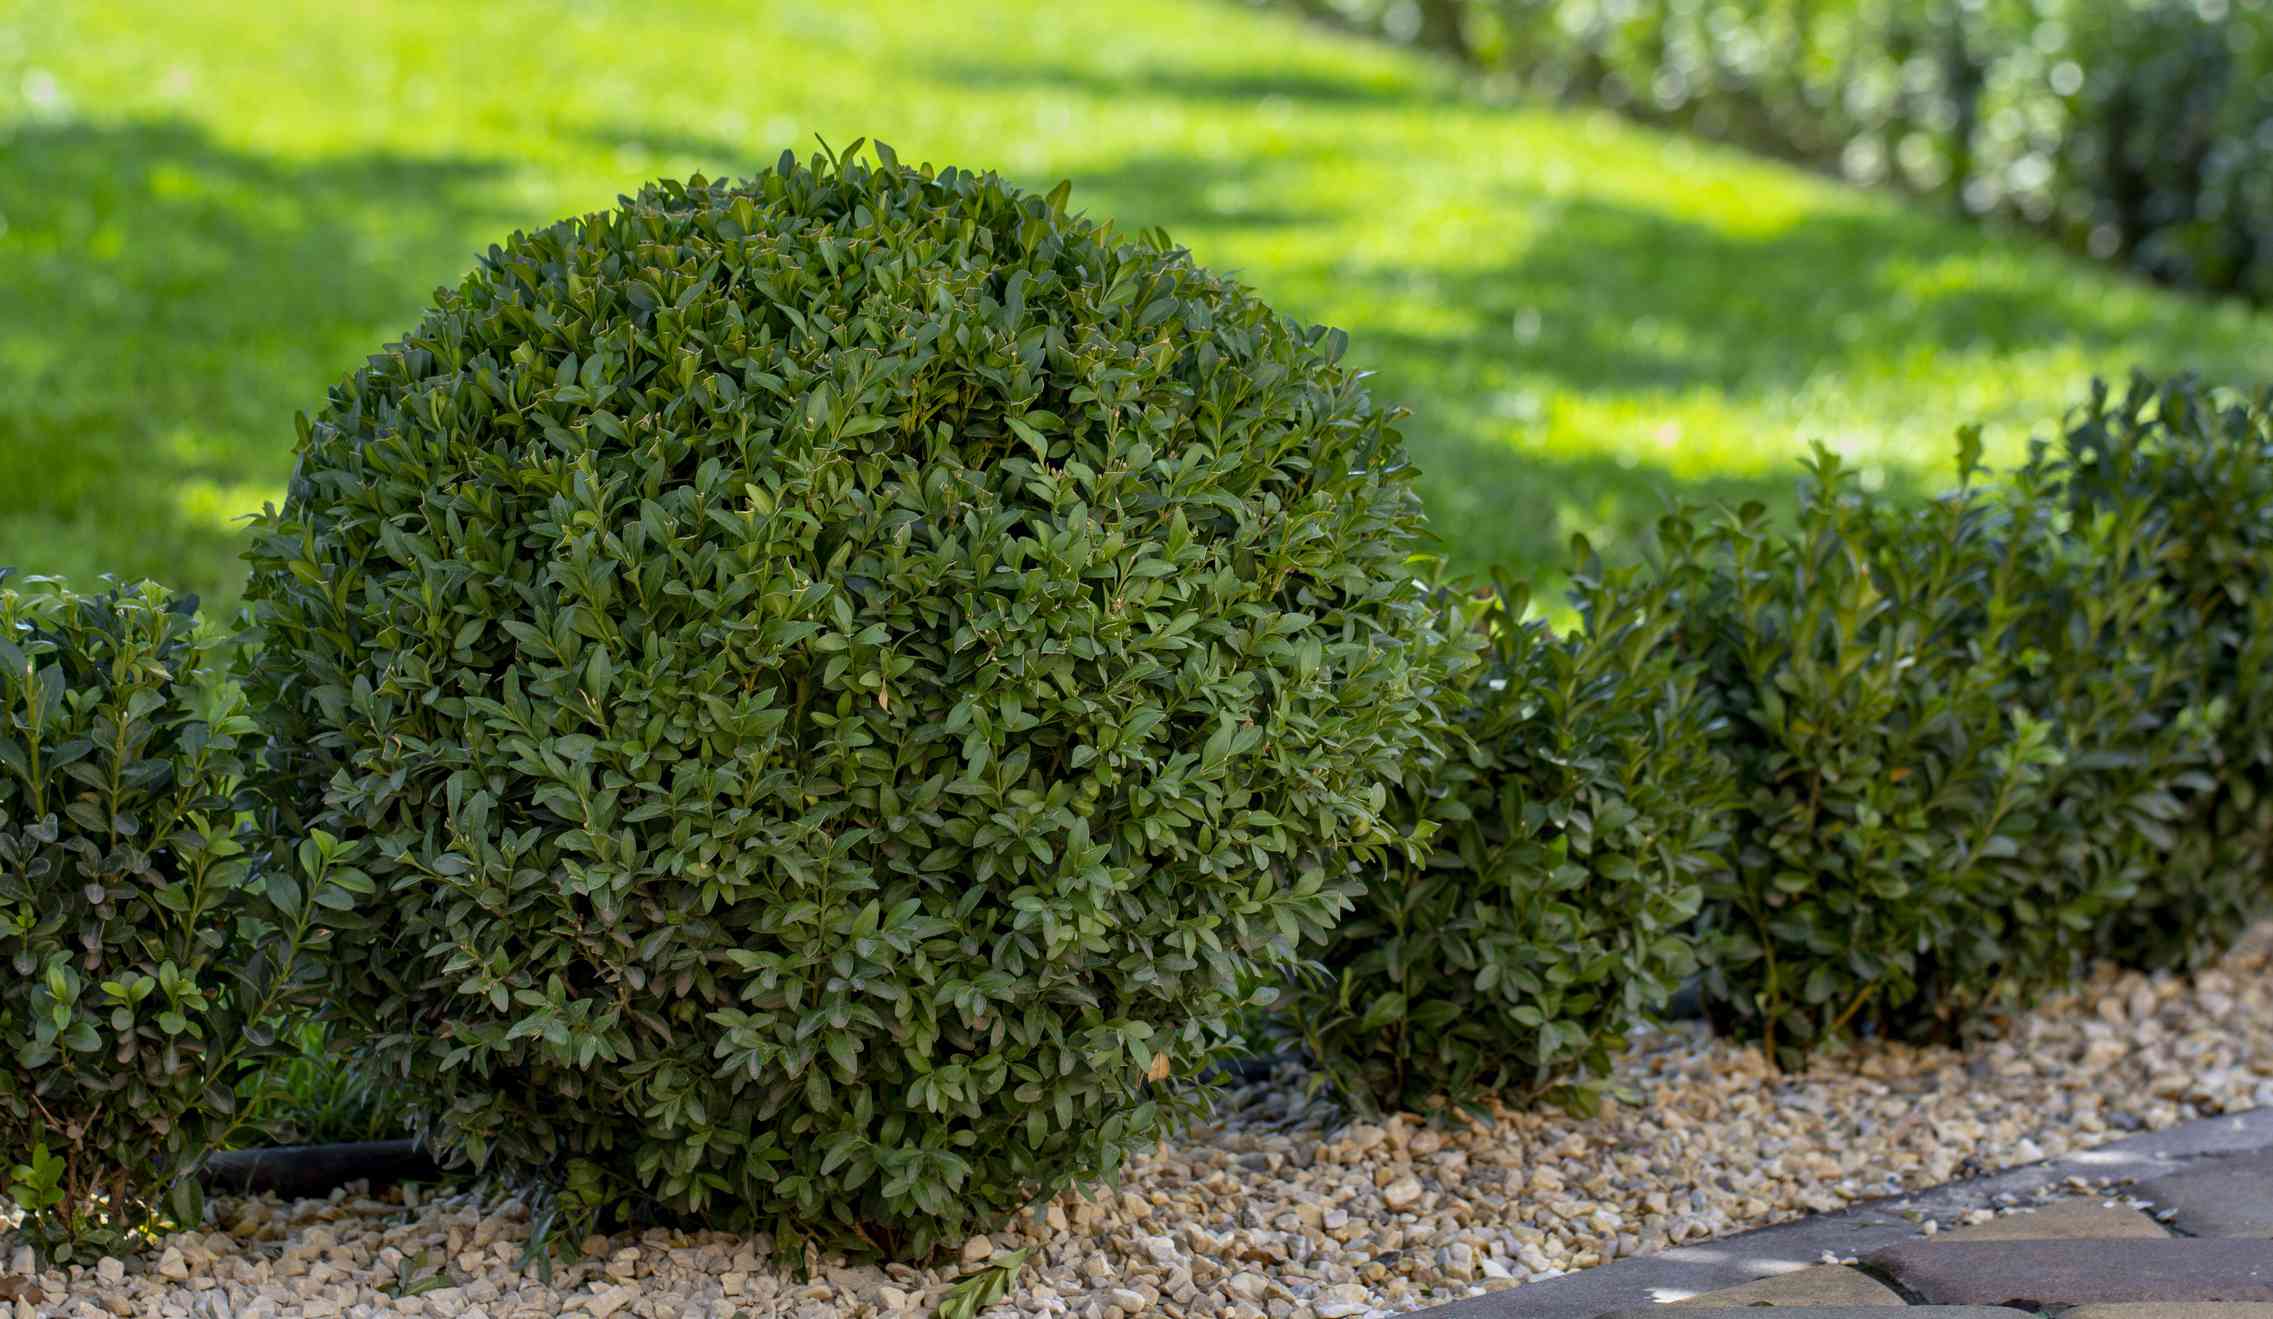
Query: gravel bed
(1280, 1209)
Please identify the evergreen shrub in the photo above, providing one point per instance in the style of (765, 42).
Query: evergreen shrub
(1574, 825)
(849, 683)
(1891, 766)
(2196, 464)
(147, 958)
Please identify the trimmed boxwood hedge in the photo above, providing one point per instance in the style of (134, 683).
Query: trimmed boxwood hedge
(149, 956)
(1573, 829)
(2197, 463)
(849, 682)
(1912, 765)
(2132, 725)
(1888, 760)
(1987, 740)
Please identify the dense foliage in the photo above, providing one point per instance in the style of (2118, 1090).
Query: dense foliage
(2135, 130)
(1886, 755)
(1984, 740)
(2130, 722)
(1573, 829)
(2197, 465)
(1973, 744)
(147, 963)
(848, 684)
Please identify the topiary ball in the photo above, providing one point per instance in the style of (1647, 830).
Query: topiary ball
(848, 682)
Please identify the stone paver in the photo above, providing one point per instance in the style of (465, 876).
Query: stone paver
(2173, 1310)
(2223, 1197)
(2068, 1220)
(1859, 1312)
(1825, 1284)
(2041, 1273)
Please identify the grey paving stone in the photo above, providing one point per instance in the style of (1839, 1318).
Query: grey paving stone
(1896, 1311)
(2032, 1274)
(1825, 1284)
(2173, 1310)
(2233, 1133)
(2218, 1197)
(2079, 1219)
(1643, 1281)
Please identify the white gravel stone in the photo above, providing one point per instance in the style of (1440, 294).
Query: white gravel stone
(1273, 1209)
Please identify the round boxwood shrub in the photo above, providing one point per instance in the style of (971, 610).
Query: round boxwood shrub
(147, 963)
(848, 683)
(1573, 828)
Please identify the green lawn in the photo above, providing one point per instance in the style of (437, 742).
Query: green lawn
(209, 209)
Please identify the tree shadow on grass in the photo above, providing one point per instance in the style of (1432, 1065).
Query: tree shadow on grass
(1628, 311)
(717, 156)
(1311, 89)
(1620, 298)
(167, 303)
(1203, 193)
(1637, 312)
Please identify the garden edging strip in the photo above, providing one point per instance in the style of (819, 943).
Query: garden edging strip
(307, 1172)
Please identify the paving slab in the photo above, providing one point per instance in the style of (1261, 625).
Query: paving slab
(2080, 1219)
(1858, 1312)
(2173, 1310)
(2234, 1133)
(2230, 1196)
(2035, 1274)
(1825, 1284)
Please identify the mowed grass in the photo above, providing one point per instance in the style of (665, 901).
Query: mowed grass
(210, 209)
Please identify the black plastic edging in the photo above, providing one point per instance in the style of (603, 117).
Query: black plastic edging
(308, 1172)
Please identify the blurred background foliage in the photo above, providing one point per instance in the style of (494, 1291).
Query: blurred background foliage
(211, 209)
(2138, 131)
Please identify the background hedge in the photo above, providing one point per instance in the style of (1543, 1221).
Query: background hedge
(2139, 131)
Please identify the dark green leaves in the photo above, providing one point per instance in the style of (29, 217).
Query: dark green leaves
(1984, 741)
(2170, 486)
(1572, 828)
(1888, 772)
(1879, 726)
(809, 660)
(144, 951)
